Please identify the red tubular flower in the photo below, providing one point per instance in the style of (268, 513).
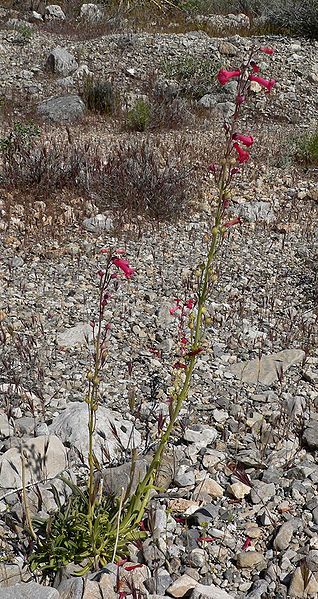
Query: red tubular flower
(124, 266)
(246, 544)
(242, 155)
(268, 83)
(267, 50)
(247, 140)
(224, 76)
(231, 223)
(255, 67)
(130, 568)
(190, 304)
(180, 366)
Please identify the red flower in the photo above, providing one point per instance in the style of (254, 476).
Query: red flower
(124, 266)
(255, 67)
(242, 155)
(224, 76)
(246, 544)
(268, 83)
(206, 539)
(130, 568)
(247, 140)
(231, 223)
(180, 366)
(190, 303)
(267, 50)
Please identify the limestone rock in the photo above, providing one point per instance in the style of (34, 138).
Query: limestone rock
(45, 457)
(200, 434)
(303, 586)
(257, 211)
(71, 427)
(202, 591)
(284, 536)
(265, 370)
(98, 223)
(62, 109)
(75, 336)
(91, 12)
(181, 586)
(251, 559)
(29, 590)
(61, 61)
(208, 488)
(310, 435)
(239, 490)
(53, 12)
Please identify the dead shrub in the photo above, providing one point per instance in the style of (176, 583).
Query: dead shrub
(142, 177)
(146, 178)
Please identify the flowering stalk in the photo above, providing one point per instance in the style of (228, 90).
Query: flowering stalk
(100, 333)
(234, 156)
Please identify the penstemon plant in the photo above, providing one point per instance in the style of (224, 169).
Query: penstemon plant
(95, 530)
(194, 310)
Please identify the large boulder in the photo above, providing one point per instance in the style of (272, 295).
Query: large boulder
(62, 109)
(267, 370)
(111, 434)
(44, 458)
(91, 12)
(53, 12)
(61, 61)
(29, 590)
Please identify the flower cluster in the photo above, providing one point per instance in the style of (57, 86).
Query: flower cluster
(247, 73)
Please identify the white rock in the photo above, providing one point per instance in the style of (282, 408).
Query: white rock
(207, 489)
(5, 429)
(98, 223)
(266, 370)
(29, 590)
(200, 434)
(61, 61)
(45, 457)
(53, 12)
(91, 12)
(203, 591)
(75, 336)
(71, 426)
(239, 490)
(182, 586)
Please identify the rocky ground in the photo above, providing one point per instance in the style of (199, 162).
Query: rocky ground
(238, 517)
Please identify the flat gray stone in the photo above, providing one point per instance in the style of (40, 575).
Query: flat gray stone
(98, 223)
(71, 588)
(202, 591)
(208, 101)
(267, 369)
(257, 211)
(29, 590)
(284, 536)
(75, 336)
(118, 478)
(310, 435)
(62, 109)
(71, 427)
(61, 61)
